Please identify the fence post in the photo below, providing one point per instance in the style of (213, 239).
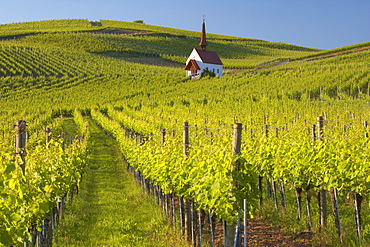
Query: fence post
(236, 149)
(173, 208)
(186, 139)
(313, 133)
(267, 131)
(163, 136)
(20, 142)
(357, 203)
(187, 220)
(308, 206)
(187, 207)
(47, 136)
(200, 243)
(64, 141)
(320, 129)
(322, 194)
(181, 209)
(366, 124)
(193, 224)
(335, 207)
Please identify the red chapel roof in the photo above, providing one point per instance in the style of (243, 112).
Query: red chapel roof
(192, 63)
(209, 56)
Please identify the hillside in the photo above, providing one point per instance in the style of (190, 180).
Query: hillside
(57, 60)
(147, 40)
(130, 76)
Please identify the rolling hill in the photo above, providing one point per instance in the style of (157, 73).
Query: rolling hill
(130, 75)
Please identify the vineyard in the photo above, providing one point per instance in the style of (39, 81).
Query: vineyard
(283, 134)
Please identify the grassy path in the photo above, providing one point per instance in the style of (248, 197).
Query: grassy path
(110, 209)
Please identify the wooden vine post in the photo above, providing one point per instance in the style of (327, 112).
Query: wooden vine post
(20, 142)
(357, 204)
(47, 136)
(186, 139)
(236, 150)
(320, 129)
(3, 132)
(366, 124)
(358, 198)
(332, 191)
(313, 132)
(187, 208)
(322, 193)
(307, 189)
(334, 203)
(163, 136)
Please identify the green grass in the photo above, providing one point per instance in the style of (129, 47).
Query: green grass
(67, 127)
(110, 209)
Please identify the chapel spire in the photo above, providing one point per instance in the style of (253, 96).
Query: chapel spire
(203, 42)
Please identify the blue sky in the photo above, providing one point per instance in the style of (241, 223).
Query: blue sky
(324, 24)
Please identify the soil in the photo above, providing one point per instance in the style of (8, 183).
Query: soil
(262, 233)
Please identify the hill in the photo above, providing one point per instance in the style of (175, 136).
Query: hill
(145, 40)
(61, 50)
(275, 90)
(66, 53)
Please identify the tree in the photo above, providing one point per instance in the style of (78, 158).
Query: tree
(139, 21)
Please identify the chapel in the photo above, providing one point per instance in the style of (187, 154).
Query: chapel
(201, 60)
